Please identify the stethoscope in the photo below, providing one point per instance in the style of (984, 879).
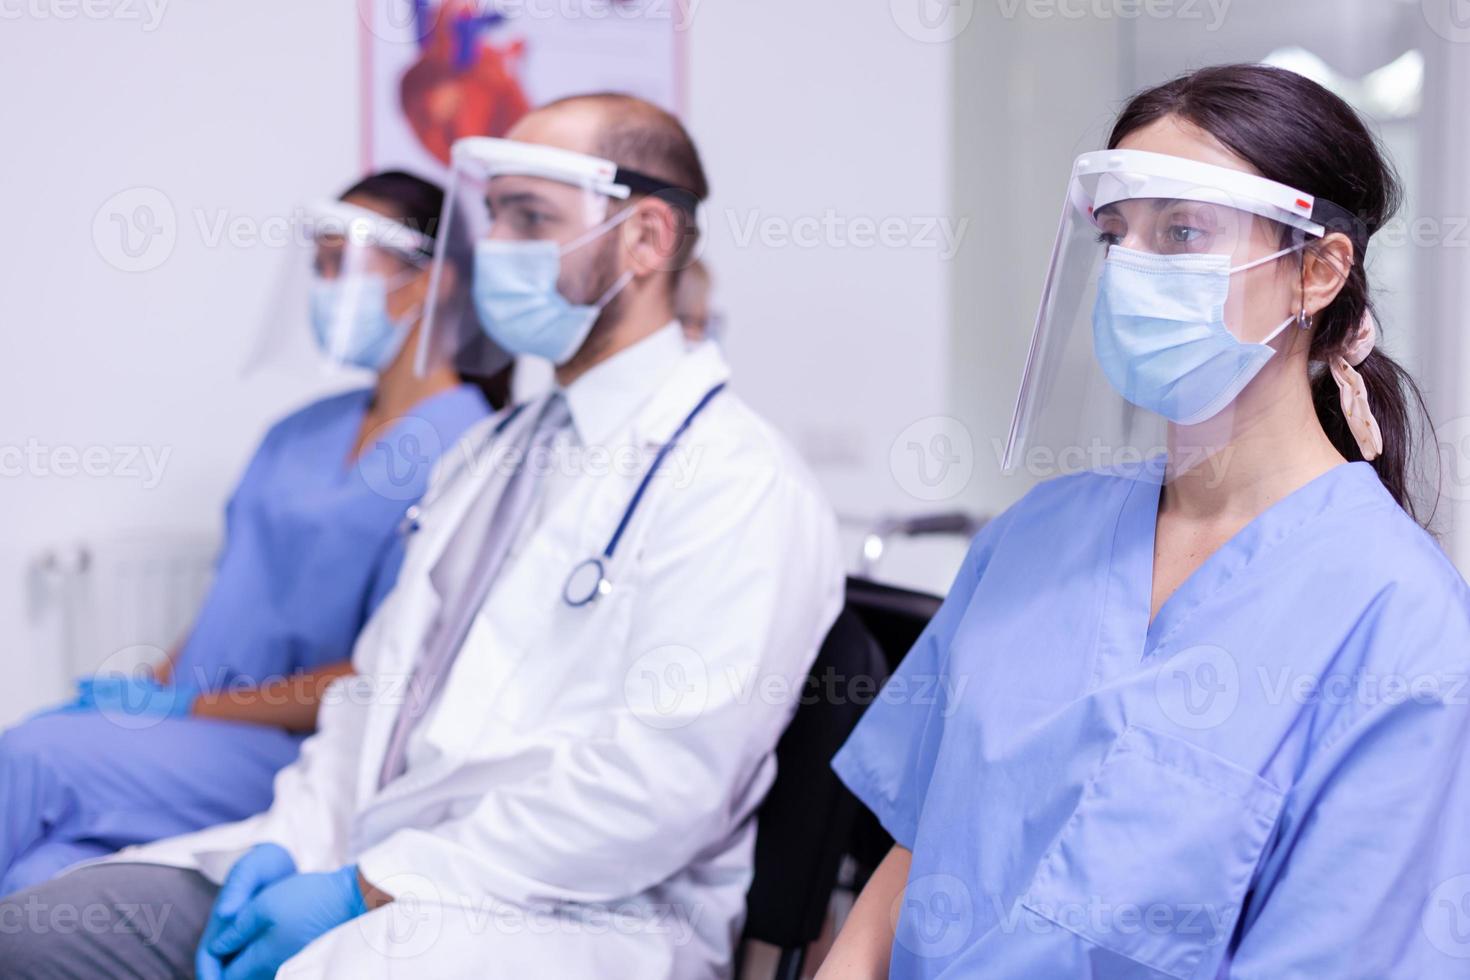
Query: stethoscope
(588, 579)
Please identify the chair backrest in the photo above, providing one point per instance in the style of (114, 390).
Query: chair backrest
(805, 823)
(895, 616)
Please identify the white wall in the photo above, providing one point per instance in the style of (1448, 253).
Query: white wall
(223, 113)
(819, 122)
(1031, 93)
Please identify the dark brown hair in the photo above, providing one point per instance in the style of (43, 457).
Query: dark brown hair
(1294, 131)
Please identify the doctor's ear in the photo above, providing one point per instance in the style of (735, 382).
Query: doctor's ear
(660, 236)
(1325, 268)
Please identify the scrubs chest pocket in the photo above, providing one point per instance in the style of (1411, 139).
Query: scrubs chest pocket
(1158, 856)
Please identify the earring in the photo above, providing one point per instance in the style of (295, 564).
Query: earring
(1303, 320)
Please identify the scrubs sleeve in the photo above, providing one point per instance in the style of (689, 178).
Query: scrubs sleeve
(1372, 874)
(888, 760)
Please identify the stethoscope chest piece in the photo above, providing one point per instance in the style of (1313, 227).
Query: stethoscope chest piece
(411, 523)
(587, 581)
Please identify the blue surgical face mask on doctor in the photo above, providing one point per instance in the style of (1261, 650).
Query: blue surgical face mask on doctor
(351, 323)
(1158, 329)
(518, 302)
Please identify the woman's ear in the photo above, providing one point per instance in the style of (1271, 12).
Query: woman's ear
(1325, 268)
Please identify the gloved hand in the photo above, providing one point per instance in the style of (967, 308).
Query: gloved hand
(139, 697)
(261, 866)
(279, 922)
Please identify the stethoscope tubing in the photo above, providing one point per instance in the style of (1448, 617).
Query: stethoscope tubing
(597, 565)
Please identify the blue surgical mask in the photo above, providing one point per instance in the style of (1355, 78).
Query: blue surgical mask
(517, 300)
(1158, 329)
(349, 318)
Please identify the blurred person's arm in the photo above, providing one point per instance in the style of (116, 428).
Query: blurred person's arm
(865, 945)
(290, 703)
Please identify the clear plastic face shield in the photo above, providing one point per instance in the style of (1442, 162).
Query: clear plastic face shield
(544, 249)
(1173, 286)
(351, 292)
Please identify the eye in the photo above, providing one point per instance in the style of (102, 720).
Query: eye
(1111, 226)
(531, 222)
(1180, 233)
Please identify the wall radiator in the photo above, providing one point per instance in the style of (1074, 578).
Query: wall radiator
(117, 602)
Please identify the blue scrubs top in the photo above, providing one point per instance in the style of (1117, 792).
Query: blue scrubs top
(311, 537)
(311, 548)
(1269, 780)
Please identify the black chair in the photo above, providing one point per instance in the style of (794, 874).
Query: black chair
(895, 617)
(806, 821)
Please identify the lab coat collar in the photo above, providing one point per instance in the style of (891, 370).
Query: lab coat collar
(703, 366)
(606, 397)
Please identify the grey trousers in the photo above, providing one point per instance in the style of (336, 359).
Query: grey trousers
(108, 920)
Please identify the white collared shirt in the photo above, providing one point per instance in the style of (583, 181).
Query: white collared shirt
(602, 400)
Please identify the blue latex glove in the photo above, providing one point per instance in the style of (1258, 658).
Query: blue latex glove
(261, 866)
(138, 697)
(119, 694)
(279, 922)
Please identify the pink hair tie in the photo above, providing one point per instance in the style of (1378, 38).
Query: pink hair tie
(1354, 392)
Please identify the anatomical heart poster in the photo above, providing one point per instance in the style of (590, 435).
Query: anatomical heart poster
(434, 71)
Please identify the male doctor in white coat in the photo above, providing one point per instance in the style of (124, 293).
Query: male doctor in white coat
(597, 670)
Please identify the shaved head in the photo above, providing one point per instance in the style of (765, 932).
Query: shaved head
(634, 134)
(629, 131)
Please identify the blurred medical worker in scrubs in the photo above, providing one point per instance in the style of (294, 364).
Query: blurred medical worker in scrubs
(311, 548)
(1201, 705)
(566, 712)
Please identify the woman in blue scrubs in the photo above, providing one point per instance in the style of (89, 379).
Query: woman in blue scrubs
(1201, 706)
(311, 548)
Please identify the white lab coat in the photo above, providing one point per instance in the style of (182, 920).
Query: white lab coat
(579, 802)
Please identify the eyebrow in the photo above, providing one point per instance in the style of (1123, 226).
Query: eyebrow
(517, 197)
